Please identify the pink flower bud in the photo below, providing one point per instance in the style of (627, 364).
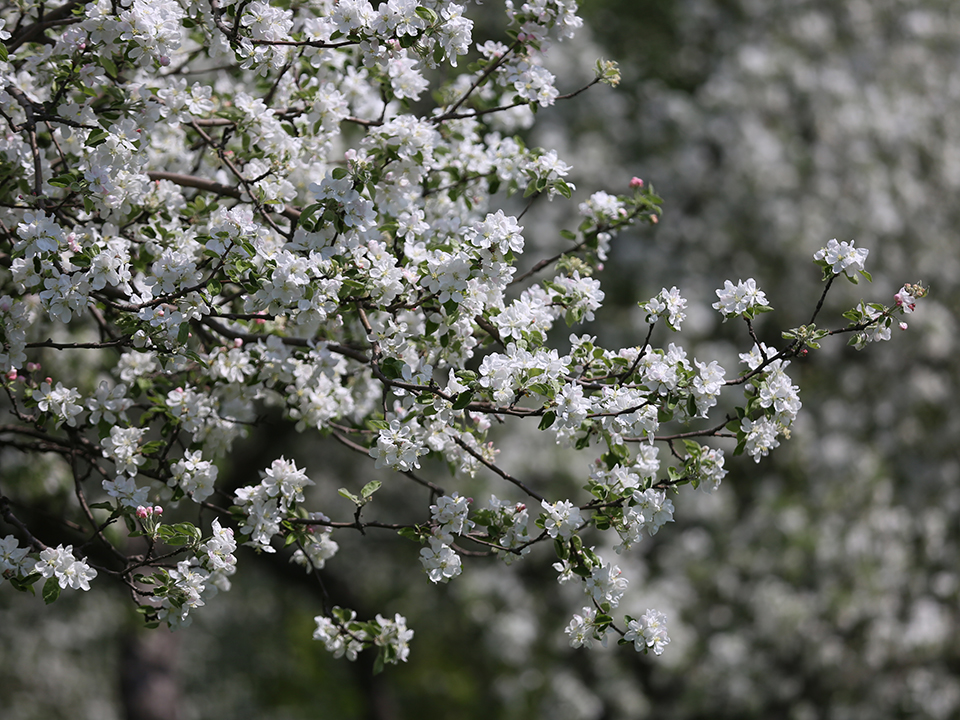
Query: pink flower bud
(636, 183)
(164, 60)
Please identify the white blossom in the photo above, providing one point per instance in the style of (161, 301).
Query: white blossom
(60, 563)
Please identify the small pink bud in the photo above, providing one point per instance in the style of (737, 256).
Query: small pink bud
(12, 375)
(164, 60)
(157, 510)
(636, 183)
(238, 342)
(33, 367)
(903, 326)
(142, 512)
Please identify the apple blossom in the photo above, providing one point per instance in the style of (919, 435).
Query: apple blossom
(334, 253)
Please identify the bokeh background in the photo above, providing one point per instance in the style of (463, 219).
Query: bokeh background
(823, 582)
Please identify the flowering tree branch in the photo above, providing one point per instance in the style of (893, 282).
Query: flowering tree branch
(384, 313)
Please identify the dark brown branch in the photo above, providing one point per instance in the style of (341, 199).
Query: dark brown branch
(192, 181)
(58, 16)
(506, 476)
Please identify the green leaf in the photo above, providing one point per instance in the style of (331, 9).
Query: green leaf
(96, 137)
(692, 447)
(343, 492)
(61, 181)
(563, 552)
(540, 389)
(342, 614)
(25, 584)
(309, 211)
(392, 367)
(547, 420)
(411, 534)
(463, 400)
(427, 14)
(106, 62)
(370, 488)
(152, 447)
(179, 534)
(51, 590)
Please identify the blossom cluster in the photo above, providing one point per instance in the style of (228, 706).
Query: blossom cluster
(288, 237)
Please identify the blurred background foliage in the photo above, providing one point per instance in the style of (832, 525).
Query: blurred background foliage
(822, 582)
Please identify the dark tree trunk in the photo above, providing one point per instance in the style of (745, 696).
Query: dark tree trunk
(149, 687)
